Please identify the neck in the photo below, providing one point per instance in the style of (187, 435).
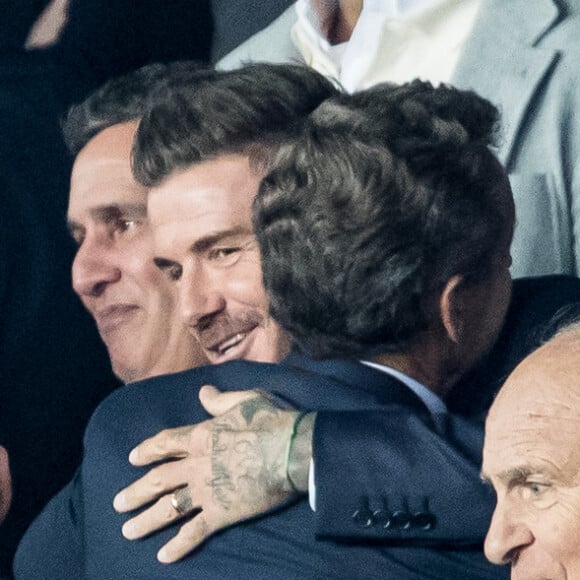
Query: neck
(337, 18)
(430, 362)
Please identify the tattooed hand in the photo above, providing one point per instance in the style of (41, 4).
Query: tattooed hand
(228, 469)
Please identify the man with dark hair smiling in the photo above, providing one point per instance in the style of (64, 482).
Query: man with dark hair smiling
(384, 228)
(113, 273)
(244, 109)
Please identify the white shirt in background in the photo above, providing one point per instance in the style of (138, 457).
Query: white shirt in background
(395, 41)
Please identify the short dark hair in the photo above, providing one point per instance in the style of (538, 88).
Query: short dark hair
(383, 197)
(239, 110)
(125, 98)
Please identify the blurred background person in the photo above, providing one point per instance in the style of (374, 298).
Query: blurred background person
(521, 56)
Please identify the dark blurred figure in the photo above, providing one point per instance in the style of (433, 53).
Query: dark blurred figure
(95, 40)
(106, 38)
(48, 343)
(18, 16)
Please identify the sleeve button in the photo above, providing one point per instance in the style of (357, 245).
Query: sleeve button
(401, 519)
(423, 521)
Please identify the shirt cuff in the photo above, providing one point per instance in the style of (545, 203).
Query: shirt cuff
(311, 486)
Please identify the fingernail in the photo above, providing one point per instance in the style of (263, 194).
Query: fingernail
(119, 502)
(163, 556)
(134, 455)
(128, 530)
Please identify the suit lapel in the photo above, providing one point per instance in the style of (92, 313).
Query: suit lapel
(501, 62)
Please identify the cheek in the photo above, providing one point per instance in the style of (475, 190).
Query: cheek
(245, 280)
(560, 534)
(155, 288)
(140, 266)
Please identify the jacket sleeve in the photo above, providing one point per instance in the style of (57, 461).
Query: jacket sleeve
(387, 475)
(53, 546)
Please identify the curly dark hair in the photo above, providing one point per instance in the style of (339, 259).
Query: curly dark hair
(126, 98)
(241, 110)
(365, 215)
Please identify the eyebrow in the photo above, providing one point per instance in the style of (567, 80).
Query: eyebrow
(514, 474)
(106, 213)
(202, 245)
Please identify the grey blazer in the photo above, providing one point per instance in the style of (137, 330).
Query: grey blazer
(524, 56)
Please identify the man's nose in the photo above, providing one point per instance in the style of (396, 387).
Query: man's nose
(94, 267)
(508, 533)
(200, 297)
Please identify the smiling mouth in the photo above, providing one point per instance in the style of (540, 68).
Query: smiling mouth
(230, 343)
(230, 347)
(225, 337)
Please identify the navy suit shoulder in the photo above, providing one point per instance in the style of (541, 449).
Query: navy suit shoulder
(363, 450)
(284, 543)
(381, 461)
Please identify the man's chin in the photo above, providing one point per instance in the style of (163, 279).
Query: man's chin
(127, 371)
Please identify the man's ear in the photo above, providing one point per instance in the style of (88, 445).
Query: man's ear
(452, 307)
(5, 484)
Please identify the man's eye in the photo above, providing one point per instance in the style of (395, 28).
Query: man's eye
(174, 272)
(535, 488)
(537, 492)
(126, 225)
(223, 254)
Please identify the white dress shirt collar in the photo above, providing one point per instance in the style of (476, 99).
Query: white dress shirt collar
(435, 405)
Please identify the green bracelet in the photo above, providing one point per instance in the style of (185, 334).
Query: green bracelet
(293, 432)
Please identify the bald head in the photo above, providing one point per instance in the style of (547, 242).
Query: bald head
(550, 375)
(532, 458)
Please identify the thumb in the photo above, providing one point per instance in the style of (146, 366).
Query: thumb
(217, 403)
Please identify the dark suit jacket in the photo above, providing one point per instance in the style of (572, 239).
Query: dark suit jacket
(386, 474)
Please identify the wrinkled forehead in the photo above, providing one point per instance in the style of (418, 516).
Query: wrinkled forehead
(536, 415)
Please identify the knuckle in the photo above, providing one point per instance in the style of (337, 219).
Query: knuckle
(156, 480)
(159, 442)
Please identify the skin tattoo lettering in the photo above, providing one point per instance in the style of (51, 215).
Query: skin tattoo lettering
(243, 451)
